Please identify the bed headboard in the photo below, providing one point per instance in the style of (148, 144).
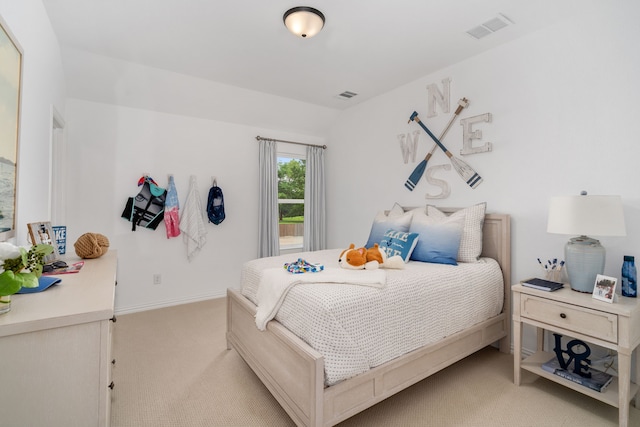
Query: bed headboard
(496, 240)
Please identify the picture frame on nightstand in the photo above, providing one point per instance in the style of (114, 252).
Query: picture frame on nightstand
(605, 288)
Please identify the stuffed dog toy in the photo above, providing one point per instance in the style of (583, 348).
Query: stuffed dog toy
(353, 259)
(368, 259)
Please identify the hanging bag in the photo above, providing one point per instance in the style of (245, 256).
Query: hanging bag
(215, 205)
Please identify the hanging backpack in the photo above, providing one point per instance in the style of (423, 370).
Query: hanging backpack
(215, 205)
(146, 209)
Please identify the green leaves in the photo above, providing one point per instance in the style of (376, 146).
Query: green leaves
(11, 282)
(13, 277)
(35, 258)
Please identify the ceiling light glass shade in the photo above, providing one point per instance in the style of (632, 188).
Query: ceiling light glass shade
(304, 21)
(582, 215)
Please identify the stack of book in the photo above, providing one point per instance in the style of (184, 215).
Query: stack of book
(542, 284)
(599, 380)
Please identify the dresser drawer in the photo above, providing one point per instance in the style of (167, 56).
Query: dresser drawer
(589, 322)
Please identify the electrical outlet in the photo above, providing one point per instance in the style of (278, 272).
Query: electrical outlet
(157, 279)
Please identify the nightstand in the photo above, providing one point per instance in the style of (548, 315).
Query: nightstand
(610, 325)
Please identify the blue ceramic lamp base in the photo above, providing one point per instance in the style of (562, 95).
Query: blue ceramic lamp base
(584, 260)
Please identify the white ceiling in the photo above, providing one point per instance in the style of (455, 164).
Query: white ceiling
(367, 46)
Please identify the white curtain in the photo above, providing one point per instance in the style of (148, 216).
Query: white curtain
(314, 201)
(268, 233)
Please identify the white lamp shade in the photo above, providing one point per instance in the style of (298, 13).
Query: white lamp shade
(586, 215)
(304, 21)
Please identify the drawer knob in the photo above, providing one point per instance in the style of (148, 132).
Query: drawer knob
(112, 385)
(113, 319)
(564, 316)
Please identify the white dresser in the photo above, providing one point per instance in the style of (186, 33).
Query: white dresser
(55, 351)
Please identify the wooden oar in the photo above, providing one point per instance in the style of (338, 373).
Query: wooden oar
(417, 173)
(465, 171)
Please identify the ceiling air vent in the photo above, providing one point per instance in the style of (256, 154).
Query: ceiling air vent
(491, 26)
(346, 95)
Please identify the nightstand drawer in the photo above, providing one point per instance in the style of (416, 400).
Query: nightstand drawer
(597, 324)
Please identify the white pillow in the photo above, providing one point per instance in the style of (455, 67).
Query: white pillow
(382, 223)
(471, 241)
(396, 210)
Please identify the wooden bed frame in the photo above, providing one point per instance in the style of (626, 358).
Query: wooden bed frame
(294, 372)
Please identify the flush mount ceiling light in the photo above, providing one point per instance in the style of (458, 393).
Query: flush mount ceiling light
(303, 21)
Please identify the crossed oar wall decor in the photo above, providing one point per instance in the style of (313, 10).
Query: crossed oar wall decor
(466, 172)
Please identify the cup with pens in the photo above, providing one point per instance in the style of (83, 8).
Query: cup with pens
(552, 269)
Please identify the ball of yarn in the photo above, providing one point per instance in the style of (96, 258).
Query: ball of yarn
(91, 245)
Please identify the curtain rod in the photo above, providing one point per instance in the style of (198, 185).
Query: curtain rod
(260, 138)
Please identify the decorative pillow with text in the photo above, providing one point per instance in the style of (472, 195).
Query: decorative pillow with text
(399, 243)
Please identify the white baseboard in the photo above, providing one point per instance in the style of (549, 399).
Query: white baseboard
(167, 303)
(525, 351)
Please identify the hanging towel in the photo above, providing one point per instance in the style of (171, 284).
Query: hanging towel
(192, 223)
(171, 208)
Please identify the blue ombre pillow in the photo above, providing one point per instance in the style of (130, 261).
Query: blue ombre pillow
(471, 240)
(439, 239)
(399, 243)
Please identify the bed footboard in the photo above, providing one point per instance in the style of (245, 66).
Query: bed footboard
(292, 371)
(356, 394)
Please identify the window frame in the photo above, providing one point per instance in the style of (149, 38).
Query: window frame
(291, 151)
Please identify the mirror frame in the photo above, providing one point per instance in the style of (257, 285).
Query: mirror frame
(11, 56)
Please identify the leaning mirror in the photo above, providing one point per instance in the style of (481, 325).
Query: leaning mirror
(10, 82)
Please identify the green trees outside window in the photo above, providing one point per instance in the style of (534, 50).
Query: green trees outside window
(291, 177)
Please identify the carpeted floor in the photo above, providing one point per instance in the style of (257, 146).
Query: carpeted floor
(173, 369)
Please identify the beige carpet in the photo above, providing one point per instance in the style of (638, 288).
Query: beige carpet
(173, 369)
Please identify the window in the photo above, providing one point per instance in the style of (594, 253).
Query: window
(291, 176)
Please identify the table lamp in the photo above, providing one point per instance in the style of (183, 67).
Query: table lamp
(585, 215)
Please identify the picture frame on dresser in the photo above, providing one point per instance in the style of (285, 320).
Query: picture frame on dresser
(42, 233)
(605, 288)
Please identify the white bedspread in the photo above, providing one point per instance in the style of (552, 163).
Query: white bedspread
(356, 328)
(276, 282)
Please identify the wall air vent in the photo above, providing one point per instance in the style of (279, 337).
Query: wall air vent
(489, 27)
(346, 95)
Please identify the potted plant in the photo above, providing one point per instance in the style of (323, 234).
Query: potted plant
(19, 268)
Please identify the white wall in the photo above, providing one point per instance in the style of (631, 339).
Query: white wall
(564, 105)
(112, 146)
(43, 87)
(124, 120)
(112, 81)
